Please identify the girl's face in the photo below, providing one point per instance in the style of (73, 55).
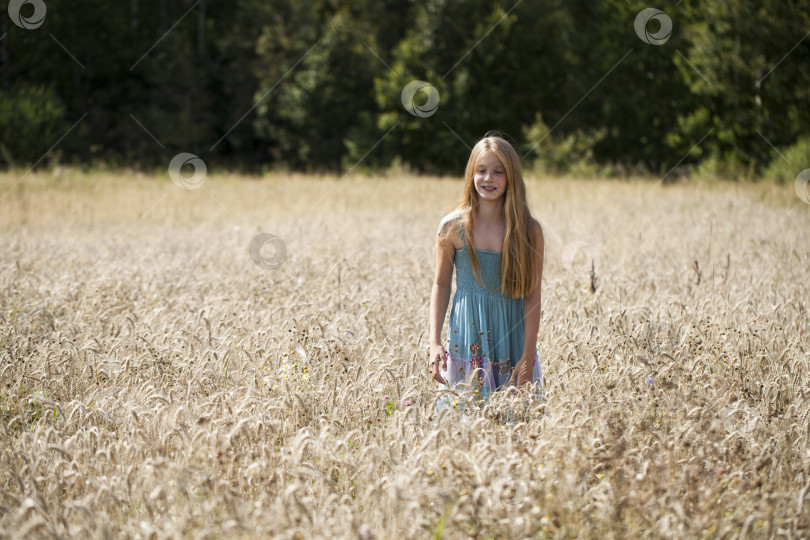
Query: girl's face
(490, 177)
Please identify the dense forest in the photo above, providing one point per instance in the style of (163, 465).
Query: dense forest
(613, 86)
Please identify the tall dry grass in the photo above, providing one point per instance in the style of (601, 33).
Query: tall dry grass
(156, 383)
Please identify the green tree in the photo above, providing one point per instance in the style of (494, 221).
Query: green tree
(318, 60)
(752, 81)
(30, 117)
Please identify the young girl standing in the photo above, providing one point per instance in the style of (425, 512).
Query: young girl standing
(496, 247)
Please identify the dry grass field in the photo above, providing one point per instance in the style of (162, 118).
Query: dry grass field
(156, 383)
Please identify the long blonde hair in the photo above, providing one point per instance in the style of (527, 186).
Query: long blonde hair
(519, 272)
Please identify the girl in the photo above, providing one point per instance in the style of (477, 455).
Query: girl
(496, 247)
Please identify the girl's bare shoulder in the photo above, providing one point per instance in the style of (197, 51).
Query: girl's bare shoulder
(450, 228)
(537, 227)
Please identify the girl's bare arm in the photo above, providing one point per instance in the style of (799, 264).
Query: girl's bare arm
(440, 296)
(531, 302)
(439, 299)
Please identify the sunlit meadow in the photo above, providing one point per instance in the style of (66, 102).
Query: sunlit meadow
(155, 382)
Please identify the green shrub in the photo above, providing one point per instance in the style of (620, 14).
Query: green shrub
(558, 154)
(784, 168)
(31, 120)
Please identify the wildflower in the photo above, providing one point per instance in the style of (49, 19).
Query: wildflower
(306, 376)
(366, 532)
(407, 403)
(385, 397)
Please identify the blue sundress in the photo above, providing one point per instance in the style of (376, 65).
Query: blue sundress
(486, 328)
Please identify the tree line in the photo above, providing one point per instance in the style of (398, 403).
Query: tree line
(609, 86)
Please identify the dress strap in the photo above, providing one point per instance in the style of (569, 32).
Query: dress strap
(461, 230)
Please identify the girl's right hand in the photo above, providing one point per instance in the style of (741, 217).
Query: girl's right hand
(438, 362)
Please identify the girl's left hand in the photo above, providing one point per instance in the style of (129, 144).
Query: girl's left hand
(522, 372)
